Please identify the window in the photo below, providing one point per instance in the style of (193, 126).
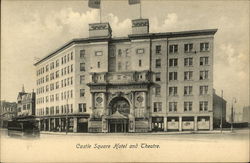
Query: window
(139, 51)
(57, 85)
(71, 55)
(82, 66)
(173, 62)
(158, 49)
(57, 62)
(127, 65)
(62, 60)
(71, 68)
(52, 66)
(47, 98)
(119, 52)
(188, 61)
(188, 106)
(47, 68)
(119, 66)
(98, 53)
(82, 79)
(47, 110)
(82, 54)
(173, 48)
(188, 75)
(188, 48)
(172, 76)
(57, 97)
(47, 78)
(158, 76)
(51, 98)
(47, 88)
(203, 90)
(172, 91)
(172, 106)
(82, 92)
(52, 87)
(203, 61)
(68, 57)
(51, 76)
(65, 82)
(158, 63)
(203, 105)
(203, 75)
(157, 91)
(98, 64)
(57, 109)
(140, 62)
(188, 90)
(204, 46)
(127, 52)
(82, 107)
(157, 106)
(57, 74)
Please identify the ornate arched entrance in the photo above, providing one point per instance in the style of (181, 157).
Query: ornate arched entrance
(119, 109)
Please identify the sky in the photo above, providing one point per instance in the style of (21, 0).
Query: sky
(32, 29)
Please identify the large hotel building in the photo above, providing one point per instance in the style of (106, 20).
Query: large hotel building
(140, 83)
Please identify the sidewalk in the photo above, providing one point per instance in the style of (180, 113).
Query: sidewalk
(148, 133)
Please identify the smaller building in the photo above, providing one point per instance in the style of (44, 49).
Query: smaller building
(8, 110)
(219, 111)
(246, 114)
(26, 104)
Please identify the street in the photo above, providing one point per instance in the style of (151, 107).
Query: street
(86, 147)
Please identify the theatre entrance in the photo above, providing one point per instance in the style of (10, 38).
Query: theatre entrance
(118, 125)
(118, 118)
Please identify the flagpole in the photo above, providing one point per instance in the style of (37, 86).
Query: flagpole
(100, 12)
(140, 9)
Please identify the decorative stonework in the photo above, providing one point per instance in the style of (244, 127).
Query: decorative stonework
(139, 99)
(98, 26)
(99, 99)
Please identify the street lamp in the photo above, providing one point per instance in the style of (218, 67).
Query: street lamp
(232, 113)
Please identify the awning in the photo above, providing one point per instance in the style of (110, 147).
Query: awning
(116, 115)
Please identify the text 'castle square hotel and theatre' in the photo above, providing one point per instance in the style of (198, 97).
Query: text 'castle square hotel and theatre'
(139, 83)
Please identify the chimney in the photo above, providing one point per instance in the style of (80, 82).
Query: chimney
(100, 30)
(23, 88)
(140, 26)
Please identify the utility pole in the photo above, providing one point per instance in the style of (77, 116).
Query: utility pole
(221, 111)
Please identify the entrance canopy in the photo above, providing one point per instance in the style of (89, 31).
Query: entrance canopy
(117, 115)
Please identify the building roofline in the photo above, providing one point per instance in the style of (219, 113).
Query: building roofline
(130, 37)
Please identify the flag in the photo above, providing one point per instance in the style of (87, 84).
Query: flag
(94, 3)
(132, 2)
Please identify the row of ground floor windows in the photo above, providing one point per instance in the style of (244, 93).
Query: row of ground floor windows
(76, 124)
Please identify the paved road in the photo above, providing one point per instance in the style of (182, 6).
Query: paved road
(129, 147)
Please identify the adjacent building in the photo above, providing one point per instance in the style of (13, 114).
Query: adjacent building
(26, 105)
(246, 114)
(139, 83)
(8, 111)
(219, 111)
